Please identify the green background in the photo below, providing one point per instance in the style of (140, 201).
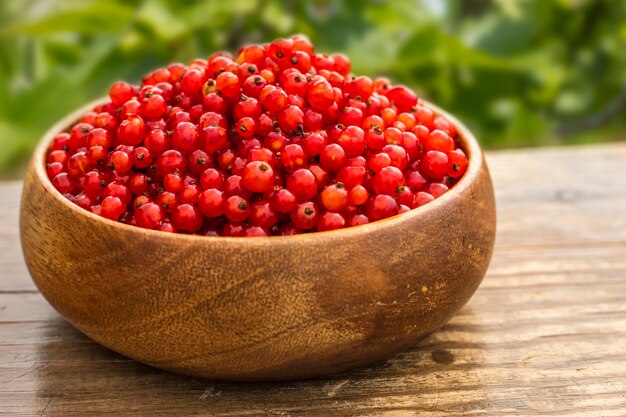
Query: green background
(518, 72)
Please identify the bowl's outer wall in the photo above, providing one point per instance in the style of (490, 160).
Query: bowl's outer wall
(259, 308)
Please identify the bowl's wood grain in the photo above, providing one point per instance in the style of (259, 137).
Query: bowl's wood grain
(271, 308)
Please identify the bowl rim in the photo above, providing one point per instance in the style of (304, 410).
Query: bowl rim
(468, 143)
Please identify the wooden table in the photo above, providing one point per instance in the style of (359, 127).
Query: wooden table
(544, 335)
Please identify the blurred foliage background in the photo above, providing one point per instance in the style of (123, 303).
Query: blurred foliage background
(519, 72)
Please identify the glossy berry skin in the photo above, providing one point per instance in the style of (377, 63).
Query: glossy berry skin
(381, 207)
(415, 180)
(187, 217)
(305, 215)
(63, 183)
(228, 84)
(120, 92)
(438, 140)
(132, 131)
(283, 201)
(422, 198)
(236, 208)
(352, 140)
(170, 161)
(185, 137)
(321, 95)
(330, 221)
(435, 164)
(211, 202)
(403, 98)
(112, 208)
(302, 184)
(153, 106)
(258, 176)
(335, 197)
(293, 157)
(333, 157)
(263, 215)
(457, 163)
(291, 119)
(275, 140)
(149, 215)
(191, 81)
(387, 180)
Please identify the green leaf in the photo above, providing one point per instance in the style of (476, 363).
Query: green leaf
(95, 18)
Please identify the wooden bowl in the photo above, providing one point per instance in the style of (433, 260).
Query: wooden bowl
(269, 308)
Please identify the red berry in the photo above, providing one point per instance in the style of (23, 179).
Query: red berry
(381, 206)
(262, 214)
(435, 164)
(211, 202)
(330, 221)
(237, 208)
(78, 135)
(94, 183)
(375, 138)
(352, 140)
(302, 184)
(398, 155)
(212, 178)
(293, 157)
(228, 84)
(254, 231)
(170, 161)
(415, 180)
(305, 215)
(379, 161)
(457, 163)
(437, 189)
(187, 217)
(149, 215)
(358, 195)
(245, 127)
(53, 169)
(284, 201)
(258, 177)
(403, 98)
(273, 99)
(192, 81)
(112, 208)
(63, 182)
(78, 164)
(280, 50)
(439, 140)
(213, 138)
(138, 183)
(132, 131)
(120, 92)
(291, 119)
(332, 157)
(321, 95)
(335, 197)
(422, 198)
(156, 142)
(387, 180)
(352, 175)
(185, 137)
(153, 106)
(404, 196)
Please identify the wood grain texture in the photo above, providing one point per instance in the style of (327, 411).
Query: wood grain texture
(544, 335)
(263, 309)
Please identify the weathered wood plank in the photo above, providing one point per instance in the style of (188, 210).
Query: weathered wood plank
(545, 335)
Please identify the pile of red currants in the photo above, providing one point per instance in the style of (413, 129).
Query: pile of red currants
(277, 140)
